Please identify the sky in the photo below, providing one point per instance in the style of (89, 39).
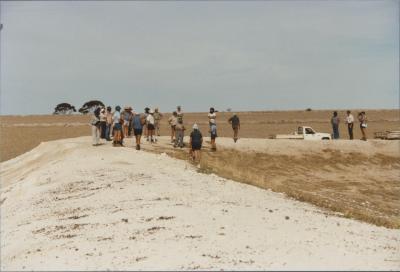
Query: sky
(257, 55)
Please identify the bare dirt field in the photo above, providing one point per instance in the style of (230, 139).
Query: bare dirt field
(19, 134)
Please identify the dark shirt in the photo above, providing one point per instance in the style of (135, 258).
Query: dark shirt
(235, 121)
(137, 124)
(196, 136)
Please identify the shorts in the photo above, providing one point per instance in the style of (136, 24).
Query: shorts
(196, 146)
(137, 131)
(173, 127)
(150, 127)
(126, 123)
(117, 126)
(213, 136)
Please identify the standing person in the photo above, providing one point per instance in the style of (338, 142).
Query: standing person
(157, 120)
(213, 132)
(172, 121)
(109, 120)
(179, 113)
(130, 117)
(196, 141)
(150, 126)
(235, 122)
(180, 133)
(362, 118)
(350, 124)
(103, 123)
(95, 122)
(137, 124)
(212, 115)
(126, 115)
(146, 113)
(117, 127)
(335, 125)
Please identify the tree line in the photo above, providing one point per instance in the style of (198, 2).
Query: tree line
(88, 107)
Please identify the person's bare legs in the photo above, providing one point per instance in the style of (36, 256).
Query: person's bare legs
(364, 134)
(235, 134)
(146, 132)
(151, 134)
(158, 129)
(117, 137)
(213, 145)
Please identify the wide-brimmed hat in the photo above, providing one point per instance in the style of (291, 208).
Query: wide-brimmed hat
(151, 111)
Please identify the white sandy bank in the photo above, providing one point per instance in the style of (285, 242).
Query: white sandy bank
(301, 147)
(69, 206)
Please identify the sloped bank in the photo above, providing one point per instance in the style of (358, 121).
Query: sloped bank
(357, 179)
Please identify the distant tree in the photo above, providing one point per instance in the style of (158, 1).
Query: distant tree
(90, 106)
(228, 109)
(64, 108)
(309, 109)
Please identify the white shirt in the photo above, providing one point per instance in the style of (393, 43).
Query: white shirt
(212, 116)
(116, 116)
(349, 119)
(150, 119)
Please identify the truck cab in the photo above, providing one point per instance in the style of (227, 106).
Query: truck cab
(305, 133)
(309, 133)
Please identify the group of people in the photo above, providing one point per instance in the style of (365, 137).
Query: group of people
(117, 125)
(362, 118)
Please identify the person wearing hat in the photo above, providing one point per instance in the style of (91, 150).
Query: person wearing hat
(213, 134)
(150, 126)
(180, 133)
(131, 114)
(109, 118)
(212, 115)
(103, 123)
(179, 113)
(157, 119)
(235, 122)
(173, 121)
(196, 141)
(95, 122)
(146, 113)
(127, 117)
(117, 127)
(137, 123)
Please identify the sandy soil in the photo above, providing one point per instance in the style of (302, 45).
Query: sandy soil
(18, 134)
(355, 178)
(69, 205)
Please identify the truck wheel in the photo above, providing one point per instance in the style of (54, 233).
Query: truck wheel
(325, 138)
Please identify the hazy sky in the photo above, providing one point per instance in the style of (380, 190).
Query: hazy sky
(260, 55)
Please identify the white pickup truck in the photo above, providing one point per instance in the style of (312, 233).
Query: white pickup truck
(305, 133)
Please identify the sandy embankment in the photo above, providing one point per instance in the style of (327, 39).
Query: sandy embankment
(358, 179)
(68, 205)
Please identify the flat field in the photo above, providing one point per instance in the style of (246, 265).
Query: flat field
(20, 134)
